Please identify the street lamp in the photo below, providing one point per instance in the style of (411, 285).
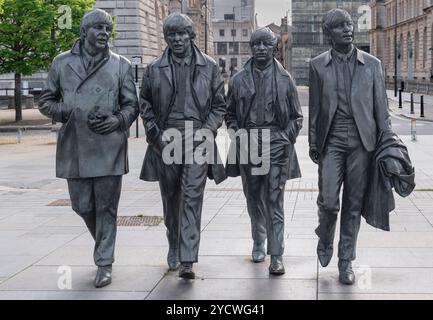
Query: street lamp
(395, 49)
(135, 61)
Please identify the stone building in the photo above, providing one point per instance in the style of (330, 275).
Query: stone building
(139, 31)
(308, 38)
(233, 22)
(139, 24)
(402, 37)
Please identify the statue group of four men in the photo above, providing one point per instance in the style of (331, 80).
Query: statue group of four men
(91, 91)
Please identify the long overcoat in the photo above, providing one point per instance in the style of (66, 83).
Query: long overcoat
(157, 99)
(289, 113)
(68, 97)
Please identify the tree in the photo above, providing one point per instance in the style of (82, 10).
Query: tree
(32, 32)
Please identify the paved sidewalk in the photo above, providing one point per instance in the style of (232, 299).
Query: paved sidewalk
(31, 117)
(36, 239)
(405, 110)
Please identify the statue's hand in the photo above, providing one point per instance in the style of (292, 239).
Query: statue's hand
(314, 155)
(105, 126)
(160, 145)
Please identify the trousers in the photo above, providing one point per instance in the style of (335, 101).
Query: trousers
(344, 162)
(182, 191)
(96, 200)
(265, 199)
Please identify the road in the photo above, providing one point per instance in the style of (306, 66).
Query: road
(400, 125)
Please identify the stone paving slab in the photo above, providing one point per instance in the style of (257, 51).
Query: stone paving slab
(391, 258)
(73, 295)
(36, 239)
(379, 281)
(12, 264)
(242, 267)
(80, 255)
(46, 278)
(233, 289)
(380, 296)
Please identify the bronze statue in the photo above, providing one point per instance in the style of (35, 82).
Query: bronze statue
(181, 88)
(263, 102)
(91, 91)
(348, 109)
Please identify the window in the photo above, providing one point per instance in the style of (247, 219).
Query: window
(229, 17)
(233, 32)
(222, 48)
(222, 32)
(245, 48)
(233, 47)
(245, 33)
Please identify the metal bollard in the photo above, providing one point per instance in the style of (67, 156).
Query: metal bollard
(19, 135)
(137, 86)
(412, 110)
(422, 106)
(400, 100)
(413, 130)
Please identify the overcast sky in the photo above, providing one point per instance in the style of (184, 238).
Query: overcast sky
(269, 11)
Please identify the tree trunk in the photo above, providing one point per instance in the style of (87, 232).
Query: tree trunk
(18, 102)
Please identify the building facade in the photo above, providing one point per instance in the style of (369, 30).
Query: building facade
(402, 37)
(308, 38)
(284, 47)
(139, 31)
(233, 23)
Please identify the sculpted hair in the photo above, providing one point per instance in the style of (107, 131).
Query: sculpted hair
(176, 21)
(333, 18)
(92, 17)
(264, 34)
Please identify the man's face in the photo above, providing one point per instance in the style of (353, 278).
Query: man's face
(179, 41)
(342, 33)
(98, 34)
(263, 50)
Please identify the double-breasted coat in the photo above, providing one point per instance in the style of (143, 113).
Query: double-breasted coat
(70, 94)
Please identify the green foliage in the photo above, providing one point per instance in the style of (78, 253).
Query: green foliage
(65, 37)
(31, 33)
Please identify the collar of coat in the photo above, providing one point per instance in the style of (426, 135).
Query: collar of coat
(76, 49)
(248, 67)
(77, 66)
(359, 56)
(248, 79)
(200, 59)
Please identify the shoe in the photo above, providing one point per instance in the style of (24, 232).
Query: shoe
(173, 259)
(186, 272)
(324, 252)
(346, 274)
(259, 252)
(276, 267)
(103, 276)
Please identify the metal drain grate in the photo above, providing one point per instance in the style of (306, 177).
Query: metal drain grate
(124, 221)
(127, 221)
(60, 203)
